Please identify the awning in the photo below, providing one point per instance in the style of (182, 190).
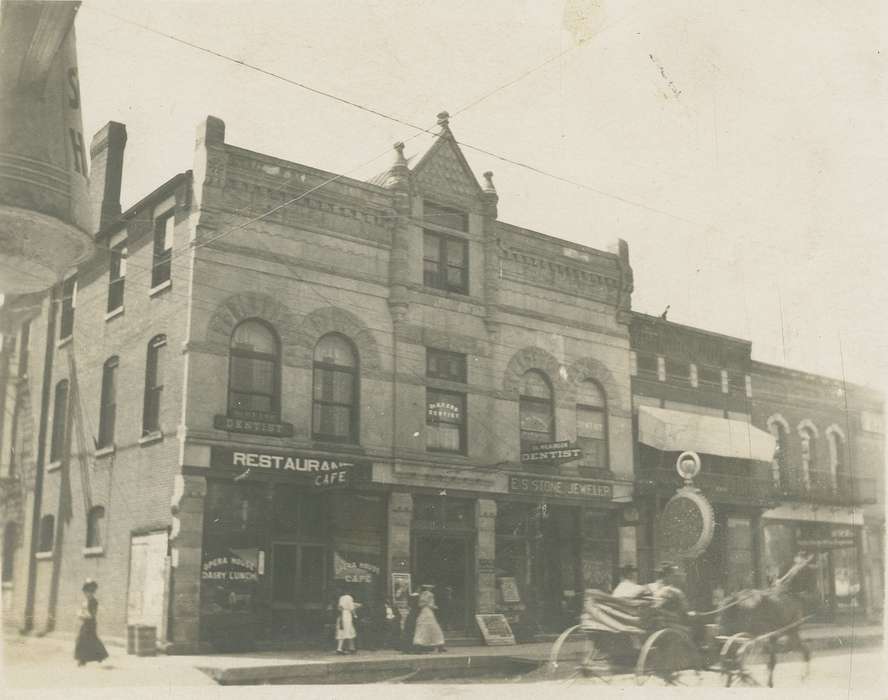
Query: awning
(677, 431)
(809, 512)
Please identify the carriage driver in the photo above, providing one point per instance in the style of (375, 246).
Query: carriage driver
(628, 586)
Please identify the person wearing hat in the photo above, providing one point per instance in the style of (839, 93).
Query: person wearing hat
(628, 586)
(428, 634)
(666, 592)
(88, 646)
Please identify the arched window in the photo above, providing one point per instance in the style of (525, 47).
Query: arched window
(59, 416)
(154, 368)
(837, 463)
(108, 408)
(254, 371)
(592, 425)
(335, 392)
(780, 430)
(536, 413)
(808, 435)
(10, 544)
(95, 522)
(47, 533)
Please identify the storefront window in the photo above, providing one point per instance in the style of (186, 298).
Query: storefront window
(779, 550)
(846, 578)
(740, 568)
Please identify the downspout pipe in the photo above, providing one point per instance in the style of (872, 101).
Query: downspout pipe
(30, 592)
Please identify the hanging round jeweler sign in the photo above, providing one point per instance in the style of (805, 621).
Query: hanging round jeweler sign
(687, 523)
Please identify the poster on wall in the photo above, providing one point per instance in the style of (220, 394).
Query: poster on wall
(509, 588)
(401, 590)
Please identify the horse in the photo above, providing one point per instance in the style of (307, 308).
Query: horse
(778, 612)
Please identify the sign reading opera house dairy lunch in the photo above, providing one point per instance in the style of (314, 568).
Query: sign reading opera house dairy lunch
(314, 470)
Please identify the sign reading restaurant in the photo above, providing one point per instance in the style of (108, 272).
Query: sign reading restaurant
(566, 488)
(562, 451)
(316, 471)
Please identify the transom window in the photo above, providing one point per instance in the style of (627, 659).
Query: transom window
(592, 425)
(445, 262)
(254, 370)
(536, 413)
(335, 392)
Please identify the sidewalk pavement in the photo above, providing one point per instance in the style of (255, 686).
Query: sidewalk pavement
(32, 662)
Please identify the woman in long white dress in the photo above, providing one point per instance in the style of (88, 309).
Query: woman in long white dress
(428, 634)
(345, 625)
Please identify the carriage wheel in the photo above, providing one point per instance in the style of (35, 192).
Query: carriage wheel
(752, 663)
(671, 656)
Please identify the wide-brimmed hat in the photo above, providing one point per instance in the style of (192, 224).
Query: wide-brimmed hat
(89, 585)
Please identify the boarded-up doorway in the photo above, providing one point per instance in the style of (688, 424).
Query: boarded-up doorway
(148, 579)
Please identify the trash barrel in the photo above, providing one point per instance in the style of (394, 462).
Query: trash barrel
(146, 640)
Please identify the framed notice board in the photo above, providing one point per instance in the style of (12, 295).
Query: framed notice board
(495, 630)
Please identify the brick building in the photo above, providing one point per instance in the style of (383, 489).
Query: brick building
(230, 419)
(790, 461)
(828, 474)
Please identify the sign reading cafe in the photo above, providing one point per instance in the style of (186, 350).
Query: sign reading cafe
(316, 471)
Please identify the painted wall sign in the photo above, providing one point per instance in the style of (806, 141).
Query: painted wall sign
(562, 451)
(257, 425)
(316, 471)
(495, 630)
(566, 488)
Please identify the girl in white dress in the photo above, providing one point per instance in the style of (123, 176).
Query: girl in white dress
(345, 624)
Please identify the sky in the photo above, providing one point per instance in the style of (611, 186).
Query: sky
(737, 147)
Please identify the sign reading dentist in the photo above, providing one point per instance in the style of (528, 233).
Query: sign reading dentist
(316, 471)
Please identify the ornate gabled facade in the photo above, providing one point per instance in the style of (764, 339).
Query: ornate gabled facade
(352, 387)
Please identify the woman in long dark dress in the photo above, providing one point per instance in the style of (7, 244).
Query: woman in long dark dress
(89, 647)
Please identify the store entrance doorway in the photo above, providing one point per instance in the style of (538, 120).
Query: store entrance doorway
(444, 561)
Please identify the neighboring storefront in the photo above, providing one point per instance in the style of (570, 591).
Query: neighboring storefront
(833, 537)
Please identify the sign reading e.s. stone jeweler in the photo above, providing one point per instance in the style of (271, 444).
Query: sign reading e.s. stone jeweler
(318, 471)
(565, 488)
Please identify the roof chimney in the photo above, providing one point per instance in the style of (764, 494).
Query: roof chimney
(106, 173)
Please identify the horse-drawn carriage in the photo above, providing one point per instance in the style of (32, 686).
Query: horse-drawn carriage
(738, 640)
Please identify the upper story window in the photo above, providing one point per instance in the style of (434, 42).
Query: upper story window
(592, 425)
(778, 428)
(677, 370)
(24, 346)
(445, 261)
(59, 420)
(536, 410)
(95, 521)
(709, 376)
(808, 436)
(117, 276)
(837, 463)
(441, 364)
(154, 369)
(163, 247)
(646, 363)
(46, 537)
(69, 301)
(108, 408)
(335, 392)
(445, 216)
(254, 371)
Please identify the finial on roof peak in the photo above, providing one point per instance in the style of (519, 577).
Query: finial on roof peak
(399, 151)
(443, 120)
(488, 182)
